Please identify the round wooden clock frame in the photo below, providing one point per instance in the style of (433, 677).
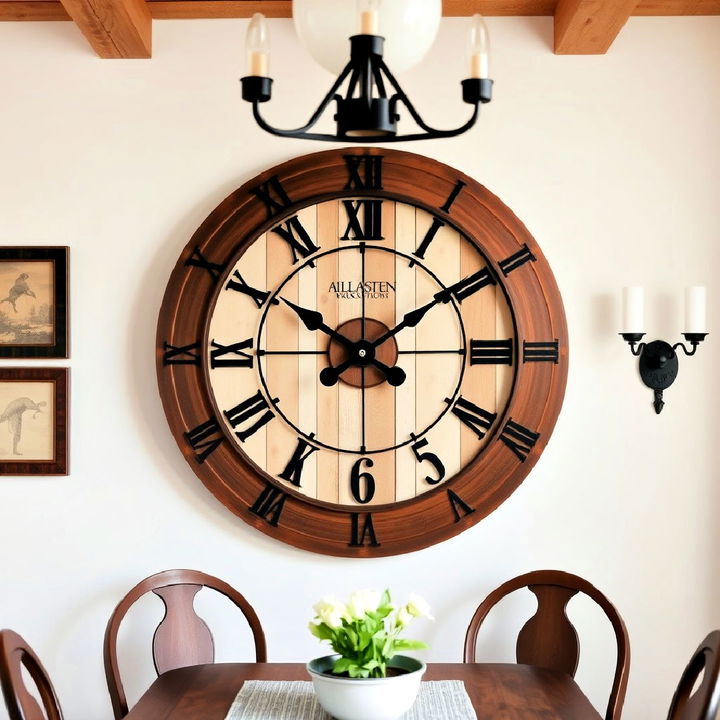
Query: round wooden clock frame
(538, 344)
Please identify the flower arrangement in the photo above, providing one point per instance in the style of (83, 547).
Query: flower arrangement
(365, 630)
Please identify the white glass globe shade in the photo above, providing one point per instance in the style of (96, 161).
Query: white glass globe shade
(408, 26)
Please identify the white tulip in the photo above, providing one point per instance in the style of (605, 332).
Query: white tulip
(361, 602)
(418, 607)
(404, 617)
(330, 611)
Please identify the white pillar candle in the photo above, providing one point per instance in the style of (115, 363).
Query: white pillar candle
(695, 307)
(633, 310)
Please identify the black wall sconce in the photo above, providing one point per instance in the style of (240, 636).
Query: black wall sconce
(658, 362)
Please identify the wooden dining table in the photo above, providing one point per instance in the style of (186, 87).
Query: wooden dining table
(497, 691)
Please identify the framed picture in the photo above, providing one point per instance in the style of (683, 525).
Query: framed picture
(33, 421)
(34, 302)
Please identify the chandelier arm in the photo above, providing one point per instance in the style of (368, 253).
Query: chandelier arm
(326, 137)
(400, 96)
(301, 131)
(432, 133)
(376, 68)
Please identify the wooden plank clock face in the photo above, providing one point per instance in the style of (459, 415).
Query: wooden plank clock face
(362, 352)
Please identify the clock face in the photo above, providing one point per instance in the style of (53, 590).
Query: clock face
(362, 352)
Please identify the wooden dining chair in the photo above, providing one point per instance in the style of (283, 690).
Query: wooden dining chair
(182, 638)
(15, 654)
(549, 639)
(704, 703)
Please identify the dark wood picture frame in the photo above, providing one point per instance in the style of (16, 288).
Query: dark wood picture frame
(60, 378)
(60, 309)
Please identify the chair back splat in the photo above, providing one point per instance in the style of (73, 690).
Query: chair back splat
(15, 654)
(182, 638)
(548, 639)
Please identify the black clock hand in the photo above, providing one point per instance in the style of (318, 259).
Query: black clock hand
(313, 320)
(330, 375)
(410, 319)
(394, 375)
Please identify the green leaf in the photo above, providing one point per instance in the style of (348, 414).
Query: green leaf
(322, 631)
(342, 665)
(402, 644)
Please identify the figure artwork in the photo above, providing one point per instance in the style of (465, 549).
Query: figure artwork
(13, 415)
(19, 288)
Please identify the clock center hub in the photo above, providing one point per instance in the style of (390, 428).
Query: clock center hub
(363, 352)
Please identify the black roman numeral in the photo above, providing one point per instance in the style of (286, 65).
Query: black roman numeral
(247, 410)
(293, 470)
(491, 352)
(369, 227)
(269, 505)
(231, 355)
(459, 185)
(360, 531)
(437, 223)
(459, 506)
(296, 236)
(541, 351)
(273, 195)
(467, 286)
(364, 172)
(237, 283)
(477, 419)
(181, 354)
(519, 439)
(515, 261)
(204, 439)
(197, 259)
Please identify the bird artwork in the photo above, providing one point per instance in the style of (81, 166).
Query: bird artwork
(17, 290)
(13, 414)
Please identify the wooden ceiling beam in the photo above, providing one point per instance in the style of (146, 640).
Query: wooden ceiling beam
(13, 10)
(581, 26)
(114, 28)
(589, 27)
(199, 9)
(175, 9)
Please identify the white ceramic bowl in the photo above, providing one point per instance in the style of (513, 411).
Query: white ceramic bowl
(366, 698)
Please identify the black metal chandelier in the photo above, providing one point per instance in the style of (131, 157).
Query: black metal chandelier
(367, 109)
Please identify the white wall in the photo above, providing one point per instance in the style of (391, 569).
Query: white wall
(613, 163)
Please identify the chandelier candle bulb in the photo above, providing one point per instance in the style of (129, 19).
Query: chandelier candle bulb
(369, 17)
(257, 44)
(695, 310)
(478, 48)
(633, 310)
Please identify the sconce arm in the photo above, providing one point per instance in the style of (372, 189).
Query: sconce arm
(694, 339)
(633, 340)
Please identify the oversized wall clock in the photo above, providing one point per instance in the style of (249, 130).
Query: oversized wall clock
(362, 352)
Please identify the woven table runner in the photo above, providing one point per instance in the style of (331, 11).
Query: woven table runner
(293, 700)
